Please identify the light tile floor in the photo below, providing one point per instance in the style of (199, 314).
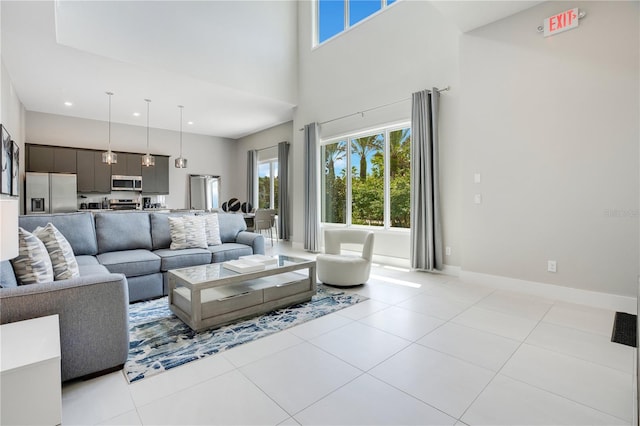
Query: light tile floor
(424, 349)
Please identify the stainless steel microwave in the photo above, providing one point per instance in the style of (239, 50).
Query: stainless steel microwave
(126, 183)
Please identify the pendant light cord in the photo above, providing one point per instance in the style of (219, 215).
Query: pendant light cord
(148, 101)
(180, 106)
(110, 94)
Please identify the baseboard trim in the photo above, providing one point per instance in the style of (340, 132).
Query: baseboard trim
(566, 294)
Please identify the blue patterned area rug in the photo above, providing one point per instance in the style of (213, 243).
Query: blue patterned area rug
(159, 341)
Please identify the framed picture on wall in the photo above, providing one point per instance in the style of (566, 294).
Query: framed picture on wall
(15, 170)
(6, 162)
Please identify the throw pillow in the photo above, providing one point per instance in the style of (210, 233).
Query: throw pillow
(187, 232)
(64, 261)
(212, 227)
(33, 264)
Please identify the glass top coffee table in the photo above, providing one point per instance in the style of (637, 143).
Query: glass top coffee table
(211, 295)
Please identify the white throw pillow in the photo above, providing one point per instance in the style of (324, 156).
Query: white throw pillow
(187, 232)
(61, 254)
(212, 227)
(33, 264)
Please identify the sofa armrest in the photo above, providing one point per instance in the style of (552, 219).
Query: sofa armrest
(94, 319)
(256, 241)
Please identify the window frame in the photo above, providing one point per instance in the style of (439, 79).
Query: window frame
(348, 137)
(273, 168)
(384, 4)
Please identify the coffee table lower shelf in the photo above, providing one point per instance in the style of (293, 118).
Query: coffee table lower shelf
(214, 306)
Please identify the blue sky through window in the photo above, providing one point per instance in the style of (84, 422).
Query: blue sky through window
(360, 9)
(331, 18)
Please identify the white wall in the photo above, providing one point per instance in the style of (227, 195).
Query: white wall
(552, 126)
(265, 139)
(408, 47)
(206, 154)
(13, 118)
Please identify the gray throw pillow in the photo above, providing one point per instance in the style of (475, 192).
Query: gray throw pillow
(33, 264)
(187, 232)
(61, 254)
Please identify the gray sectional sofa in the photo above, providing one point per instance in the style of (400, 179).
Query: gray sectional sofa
(123, 257)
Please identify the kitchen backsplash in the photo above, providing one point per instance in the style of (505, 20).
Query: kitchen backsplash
(93, 201)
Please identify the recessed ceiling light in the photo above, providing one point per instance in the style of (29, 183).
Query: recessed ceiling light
(67, 103)
(189, 122)
(136, 114)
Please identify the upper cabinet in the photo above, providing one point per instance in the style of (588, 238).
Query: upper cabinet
(39, 158)
(51, 159)
(94, 176)
(128, 165)
(155, 179)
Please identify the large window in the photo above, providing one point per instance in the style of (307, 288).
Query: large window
(366, 178)
(268, 184)
(335, 16)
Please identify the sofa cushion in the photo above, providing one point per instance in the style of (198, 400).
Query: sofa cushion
(230, 225)
(131, 263)
(160, 232)
(123, 231)
(33, 264)
(96, 269)
(229, 251)
(60, 252)
(87, 260)
(7, 276)
(77, 228)
(187, 232)
(174, 259)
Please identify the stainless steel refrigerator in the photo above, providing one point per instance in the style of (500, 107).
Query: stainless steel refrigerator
(51, 193)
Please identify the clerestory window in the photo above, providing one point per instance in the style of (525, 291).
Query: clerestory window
(335, 16)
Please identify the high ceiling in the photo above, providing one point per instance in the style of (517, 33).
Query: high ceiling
(232, 64)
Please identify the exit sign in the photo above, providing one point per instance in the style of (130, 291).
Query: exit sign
(561, 22)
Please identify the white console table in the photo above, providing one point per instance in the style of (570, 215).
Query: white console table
(30, 387)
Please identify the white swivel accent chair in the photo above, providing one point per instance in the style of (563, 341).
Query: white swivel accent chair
(343, 270)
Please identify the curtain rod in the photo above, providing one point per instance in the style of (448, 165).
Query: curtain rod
(444, 89)
(269, 147)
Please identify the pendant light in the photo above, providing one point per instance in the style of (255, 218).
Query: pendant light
(148, 160)
(109, 157)
(181, 162)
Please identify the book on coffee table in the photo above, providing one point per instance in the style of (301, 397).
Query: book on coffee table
(260, 258)
(242, 265)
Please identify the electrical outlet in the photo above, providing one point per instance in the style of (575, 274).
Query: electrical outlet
(551, 266)
(476, 178)
(447, 251)
(477, 198)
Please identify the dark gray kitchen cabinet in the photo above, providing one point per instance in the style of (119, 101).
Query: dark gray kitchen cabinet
(64, 160)
(155, 179)
(120, 168)
(85, 171)
(40, 158)
(94, 176)
(134, 164)
(128, 164)
(102, 177)
(47, 159)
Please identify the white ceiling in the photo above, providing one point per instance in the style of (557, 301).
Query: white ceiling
(231, 63)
